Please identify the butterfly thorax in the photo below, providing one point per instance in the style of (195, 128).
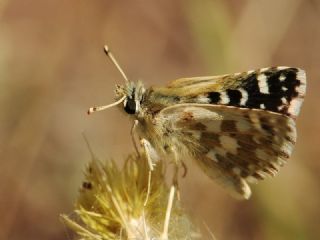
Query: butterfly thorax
(143, 105)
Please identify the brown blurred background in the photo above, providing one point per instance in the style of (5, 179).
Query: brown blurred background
(52, 68)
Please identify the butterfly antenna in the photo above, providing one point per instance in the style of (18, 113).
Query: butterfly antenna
(101, 108)
(114, 61)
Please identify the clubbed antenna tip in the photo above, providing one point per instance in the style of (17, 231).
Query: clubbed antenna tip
(91, 110)
(106, 49)
(114, 61)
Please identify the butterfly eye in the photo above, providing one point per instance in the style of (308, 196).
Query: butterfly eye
(130, 106)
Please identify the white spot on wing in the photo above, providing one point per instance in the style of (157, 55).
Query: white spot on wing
(301, 76)
(282, 77)
(284, 89)
(224, 99)
(262, 106)
(284, 100)
(212, 155)
(201, 113)
(295, 106)
(220, 151)
(229, 143)
(262, 82)
(203, 99)
(282, 68)
(242, 126)
(213, 126)
(301, 89)
(264, 69)
(244, 96)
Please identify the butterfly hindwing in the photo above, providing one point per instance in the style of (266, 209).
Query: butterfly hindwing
(234, 146)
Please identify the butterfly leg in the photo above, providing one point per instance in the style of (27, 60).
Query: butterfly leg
(133, 129)
(148, 189)
(144, 143)
(185, 169)
(149, 152)
(175, 181)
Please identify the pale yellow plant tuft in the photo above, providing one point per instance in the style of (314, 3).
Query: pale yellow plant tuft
(127, 204)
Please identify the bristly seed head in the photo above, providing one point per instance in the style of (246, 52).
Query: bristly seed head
(111, 204)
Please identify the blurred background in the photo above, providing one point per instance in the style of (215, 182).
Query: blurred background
(52, 68)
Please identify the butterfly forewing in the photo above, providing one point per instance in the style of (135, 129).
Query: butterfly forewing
(277, 89)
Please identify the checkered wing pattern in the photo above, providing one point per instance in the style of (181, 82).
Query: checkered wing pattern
(276, 89)
(234, 146)
(239, 128)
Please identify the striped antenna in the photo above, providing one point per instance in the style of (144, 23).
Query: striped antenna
(101, 108)
(114, 61)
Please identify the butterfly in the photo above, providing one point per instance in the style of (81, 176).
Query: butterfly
(239, 128)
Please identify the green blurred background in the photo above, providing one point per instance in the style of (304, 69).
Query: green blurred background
(52, 68)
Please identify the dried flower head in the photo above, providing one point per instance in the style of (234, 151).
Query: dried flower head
(128, 203)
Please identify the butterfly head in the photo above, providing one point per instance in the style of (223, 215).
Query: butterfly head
(132, 94)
